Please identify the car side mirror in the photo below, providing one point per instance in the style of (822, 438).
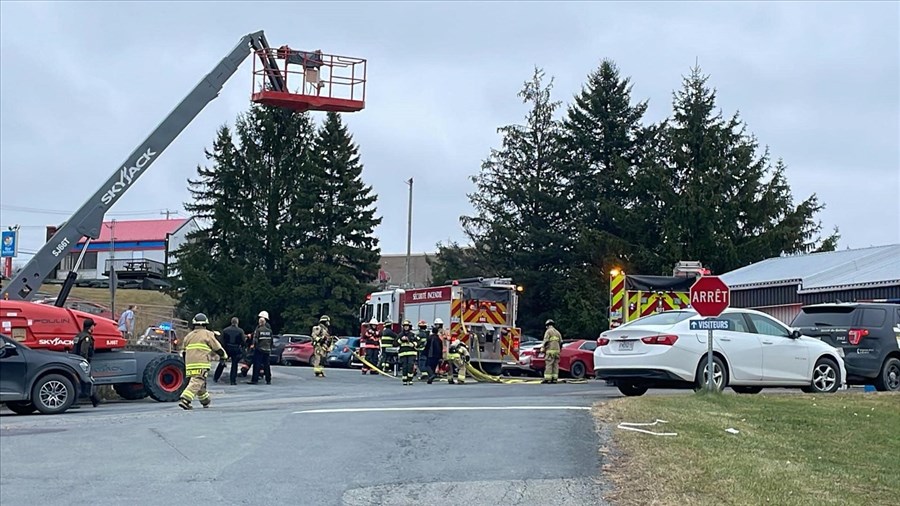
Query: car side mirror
(795, 334)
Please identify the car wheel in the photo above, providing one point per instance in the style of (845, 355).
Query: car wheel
(631, 390)
(21, 408)
(53, 394)
(747, 390)
(287, 362)
(889, 378)
(720, 374)
(578, 370)
(826, 378)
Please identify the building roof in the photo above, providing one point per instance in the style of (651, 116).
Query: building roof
(851, 268)
(140, 230)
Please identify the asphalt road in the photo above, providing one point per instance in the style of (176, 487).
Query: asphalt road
(345, 440)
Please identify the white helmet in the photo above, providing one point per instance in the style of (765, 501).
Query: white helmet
(264, 314)
(438, 321)
(373, 321)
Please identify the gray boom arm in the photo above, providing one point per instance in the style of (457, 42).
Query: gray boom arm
(88, 220)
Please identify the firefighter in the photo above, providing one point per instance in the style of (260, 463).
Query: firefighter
(422, 336)
(83, 345)
(262, 348)
(370, 346)
(434, 352)
(197, 346)
(458, 355)
(321, 339)
(407, 341)
(551, 346)
(388, 340)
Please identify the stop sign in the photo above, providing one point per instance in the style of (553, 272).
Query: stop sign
(710, 296)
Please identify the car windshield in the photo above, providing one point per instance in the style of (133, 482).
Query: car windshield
(341, 342)
(824, 317)
(666, 318)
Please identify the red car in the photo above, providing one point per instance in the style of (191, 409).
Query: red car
(298, 353)
(576, 358)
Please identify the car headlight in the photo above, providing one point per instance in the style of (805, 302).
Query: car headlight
(85, 366)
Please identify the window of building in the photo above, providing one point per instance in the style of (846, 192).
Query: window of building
(89, 262)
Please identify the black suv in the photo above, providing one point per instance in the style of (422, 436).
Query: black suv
(869, 334)
(47, 381)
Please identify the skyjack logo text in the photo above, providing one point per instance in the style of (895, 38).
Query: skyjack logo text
(127, 175)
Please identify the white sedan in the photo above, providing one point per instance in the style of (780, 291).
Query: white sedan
(661, 351)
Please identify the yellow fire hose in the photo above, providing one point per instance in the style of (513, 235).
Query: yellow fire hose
(481, 375)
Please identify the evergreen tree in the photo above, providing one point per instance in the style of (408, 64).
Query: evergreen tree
(454, 262)
(208, 263)
(522, 203)
(252, 201)
(729, 207)
(341, 256)
(605, 146)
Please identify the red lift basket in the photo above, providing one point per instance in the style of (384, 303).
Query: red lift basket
(321, 82)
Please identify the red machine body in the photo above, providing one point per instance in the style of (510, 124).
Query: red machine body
(45, 326)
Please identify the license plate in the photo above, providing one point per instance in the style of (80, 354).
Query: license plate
(626, 346)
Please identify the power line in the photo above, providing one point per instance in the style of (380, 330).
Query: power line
(35, 210)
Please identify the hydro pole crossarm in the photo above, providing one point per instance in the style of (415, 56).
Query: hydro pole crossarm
(88, 220)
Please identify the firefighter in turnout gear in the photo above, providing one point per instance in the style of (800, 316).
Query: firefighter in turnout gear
(407, 341)
(370, 346)
(551, 346)
(197, 346)
(388, 340)
(422, 336)
(262, 348)
(458, 356)
(321, 339)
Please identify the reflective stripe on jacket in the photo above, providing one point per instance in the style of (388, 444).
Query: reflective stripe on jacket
(198, 345)
(408, 347)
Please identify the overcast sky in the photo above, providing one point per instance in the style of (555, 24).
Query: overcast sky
(84, 83)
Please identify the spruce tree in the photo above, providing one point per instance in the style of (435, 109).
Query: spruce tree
(605, 146)
(522, 204)
(208, 262)
(730, 206)
(252, 202)
(341, 256)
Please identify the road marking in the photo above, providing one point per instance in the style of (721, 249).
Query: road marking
(445, 408)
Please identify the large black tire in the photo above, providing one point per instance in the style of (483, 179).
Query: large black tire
(888, 379)
(164, 378)
(718, 369)
(131, 391)
(631, 390)
(21, 407)
(53, 394)
(826, 377)
(747, 389)
(578, 370)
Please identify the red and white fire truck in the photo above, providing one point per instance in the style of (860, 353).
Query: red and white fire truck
(475, 310)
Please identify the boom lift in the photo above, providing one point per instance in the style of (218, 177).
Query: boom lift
(136, 374)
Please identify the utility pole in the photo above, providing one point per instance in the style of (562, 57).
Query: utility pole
(167, 213)
(113, 280)
(409, 233)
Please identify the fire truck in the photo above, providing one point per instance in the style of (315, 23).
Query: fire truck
(632, 296)
(481, 312)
